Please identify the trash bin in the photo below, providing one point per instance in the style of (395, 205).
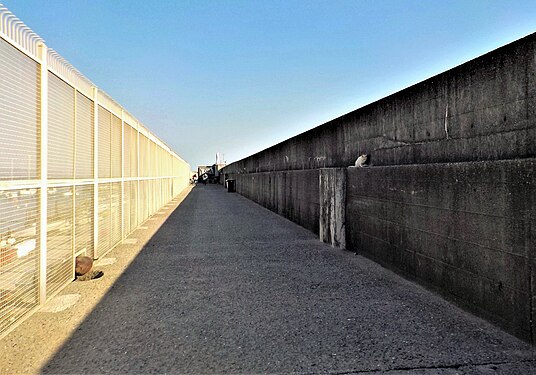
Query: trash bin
(231, 187)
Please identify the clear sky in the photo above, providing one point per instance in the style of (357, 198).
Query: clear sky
(236, 77)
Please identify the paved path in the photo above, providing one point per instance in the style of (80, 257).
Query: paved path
(226, 286)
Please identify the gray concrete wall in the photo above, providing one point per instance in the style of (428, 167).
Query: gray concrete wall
(448, 198)
(292, 194)
(466, 228)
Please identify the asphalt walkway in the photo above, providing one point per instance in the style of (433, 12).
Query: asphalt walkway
(226, 286)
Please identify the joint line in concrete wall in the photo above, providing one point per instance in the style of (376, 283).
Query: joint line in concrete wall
(446, 121)
(531, 287)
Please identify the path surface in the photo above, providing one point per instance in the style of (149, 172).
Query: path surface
(226, 286)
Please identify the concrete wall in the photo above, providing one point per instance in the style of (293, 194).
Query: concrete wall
(448, 197)
(292, 194)
(466, 228)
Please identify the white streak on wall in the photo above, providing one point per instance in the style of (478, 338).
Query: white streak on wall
(446, 121)
(332, 198)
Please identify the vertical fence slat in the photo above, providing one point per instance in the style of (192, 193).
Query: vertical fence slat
(43, 175)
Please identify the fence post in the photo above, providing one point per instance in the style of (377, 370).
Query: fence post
(74, 187)
(122, 174)
(43, 201)
(95, 172)
(138, 173)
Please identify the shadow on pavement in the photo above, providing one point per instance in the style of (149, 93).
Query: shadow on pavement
(226, 286)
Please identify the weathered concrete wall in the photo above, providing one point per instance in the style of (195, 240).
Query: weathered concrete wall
(292, 194)
(466, 228)
(448, 197)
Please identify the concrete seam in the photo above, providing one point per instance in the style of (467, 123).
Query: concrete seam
(443, 263)
(413, 143)
(444, 236)
(529, 234)
(435, 207)
(530, 281)
(420, 164)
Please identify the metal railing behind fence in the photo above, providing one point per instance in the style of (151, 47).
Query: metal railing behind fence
(78, 173)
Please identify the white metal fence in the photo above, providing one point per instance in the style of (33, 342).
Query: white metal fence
(77, 172)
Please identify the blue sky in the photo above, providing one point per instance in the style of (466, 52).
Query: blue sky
(236, 77)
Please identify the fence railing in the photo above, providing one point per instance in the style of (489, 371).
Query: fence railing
(78, 173)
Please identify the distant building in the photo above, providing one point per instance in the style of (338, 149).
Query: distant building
(212, 171)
